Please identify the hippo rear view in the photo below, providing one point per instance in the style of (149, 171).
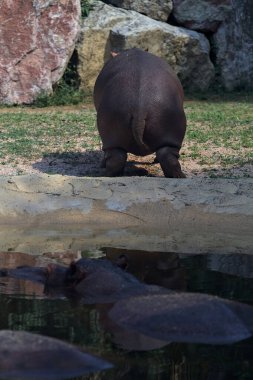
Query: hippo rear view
(139, 103)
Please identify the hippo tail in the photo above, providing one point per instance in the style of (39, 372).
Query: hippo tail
(138, 128)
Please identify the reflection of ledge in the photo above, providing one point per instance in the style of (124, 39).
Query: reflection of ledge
(41, 213)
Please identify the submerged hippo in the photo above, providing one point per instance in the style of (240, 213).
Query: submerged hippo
(152, 311)
(92, 280)
(139, 103)
(32, 356)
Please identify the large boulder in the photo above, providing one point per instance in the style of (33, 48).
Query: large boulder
(201, 15)
(158, 10)
(94, 46)
(108, 28)
(233, 47)
(37, 38)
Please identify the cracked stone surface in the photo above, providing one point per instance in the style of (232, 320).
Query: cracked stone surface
(37, 38)
(51, 213)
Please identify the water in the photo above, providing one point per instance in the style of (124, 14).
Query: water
(24, 306)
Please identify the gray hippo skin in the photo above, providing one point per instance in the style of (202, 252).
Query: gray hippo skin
(91, 280)
(149, 310)
(32, 356)
(139, 103)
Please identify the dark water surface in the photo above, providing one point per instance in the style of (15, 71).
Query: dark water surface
(25, 306)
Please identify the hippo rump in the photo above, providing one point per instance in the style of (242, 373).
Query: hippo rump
(139, 103)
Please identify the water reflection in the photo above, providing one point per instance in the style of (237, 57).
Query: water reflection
(25, 306)
(158, 268)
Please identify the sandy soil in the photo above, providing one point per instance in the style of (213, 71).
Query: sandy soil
(87, 163)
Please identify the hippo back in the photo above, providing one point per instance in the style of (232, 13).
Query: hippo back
(133, 68)
(139, 101)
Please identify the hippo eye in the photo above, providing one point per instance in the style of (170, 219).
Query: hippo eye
(75, 274)
(122, 261)
(80, 275)
(72, 267)
(70, 273)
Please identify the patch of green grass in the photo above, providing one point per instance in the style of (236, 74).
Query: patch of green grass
(63, 94)
(219, 133)
(31, 135)
(86, 6)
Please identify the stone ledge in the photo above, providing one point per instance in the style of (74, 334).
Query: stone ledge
(189, 215)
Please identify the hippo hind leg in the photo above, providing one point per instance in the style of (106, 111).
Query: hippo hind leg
(114, 162)
(168, 159)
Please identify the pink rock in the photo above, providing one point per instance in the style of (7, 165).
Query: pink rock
(37, 38)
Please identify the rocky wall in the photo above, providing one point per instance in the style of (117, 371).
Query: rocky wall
(205, 41)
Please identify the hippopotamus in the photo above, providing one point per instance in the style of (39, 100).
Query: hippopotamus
(91, 280)
(139, 104)
(185, 317)
(157, 313)
(51, 358)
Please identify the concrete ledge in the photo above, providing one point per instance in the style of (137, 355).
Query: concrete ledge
(41, 213)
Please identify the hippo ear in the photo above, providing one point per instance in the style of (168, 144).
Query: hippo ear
(49, 270)
(114, 54)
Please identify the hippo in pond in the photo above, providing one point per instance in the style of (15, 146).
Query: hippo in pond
(91, 280)
(150, 310)
(139, 103)
(51, 358)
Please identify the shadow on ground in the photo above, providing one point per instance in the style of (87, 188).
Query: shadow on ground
(89, 164)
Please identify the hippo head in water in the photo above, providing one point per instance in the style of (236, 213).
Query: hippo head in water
(92, 280)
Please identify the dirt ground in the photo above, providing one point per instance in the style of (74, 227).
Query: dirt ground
(87, 163)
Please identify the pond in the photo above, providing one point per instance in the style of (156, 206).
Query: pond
(25, 306)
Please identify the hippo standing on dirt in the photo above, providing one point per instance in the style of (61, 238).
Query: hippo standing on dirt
(139, 103)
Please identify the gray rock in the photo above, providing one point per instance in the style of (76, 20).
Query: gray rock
(233, 47)
(158, 10)
(108, 28)
(201, 15)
